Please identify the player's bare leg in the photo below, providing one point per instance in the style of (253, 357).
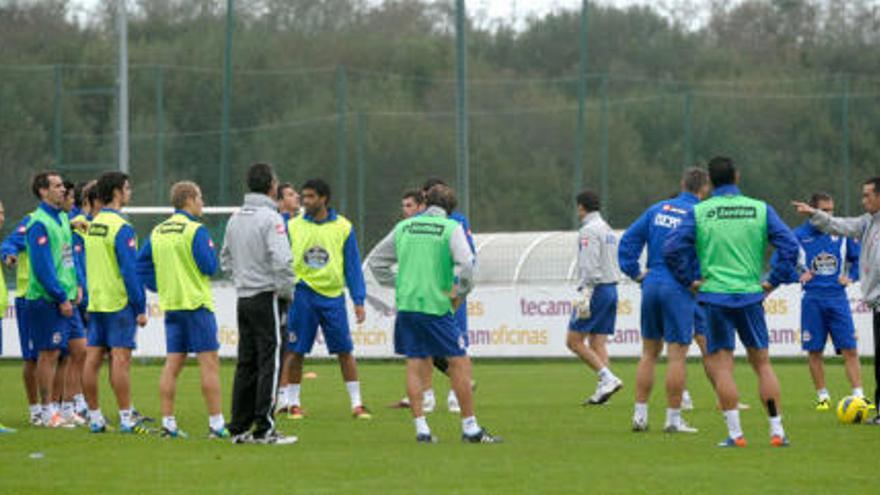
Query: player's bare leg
(73, 385)
(608, 382)
(817, 373)
(174, 363)
(47, 362)
(598, 345)
(676, 376)
(348, 365)
(768, 386)
(720, 364)
(651, 349)
(209, 367)
(295, 374)
(120, 376)
(853, 369)
(415, 370)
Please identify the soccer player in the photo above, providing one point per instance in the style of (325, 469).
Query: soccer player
(326, 261)
(434, 273)
(52, 287)
(668, 308)
(117, 304)
(727, 235)
(14, 252)
(256, 254)
(461, 315)
(413, 203)
(288, 206)
(831, 264)
(595, 312)
(177, 261)
(866, 228)
(4, 304)
(68, 385)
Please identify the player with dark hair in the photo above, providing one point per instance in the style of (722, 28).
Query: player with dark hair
(865, 228)
(434, 273)
(668, 308)
(117, 304)
(718, 250)
(53, 289)
(326, 260)
(595, 312)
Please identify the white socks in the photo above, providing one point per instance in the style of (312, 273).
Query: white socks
(125, 417)
(354, 393)
(428, 396)
(734, 430)
(605, 373)
(422, 426)
(79, 402)
(469, 426)
(822, 394)
(169, 423)
(673, 417)
(293, 394)
(641, 411)
(217, 422)
(776, 427)
(858, 392)
(35, 409)
(96, 417)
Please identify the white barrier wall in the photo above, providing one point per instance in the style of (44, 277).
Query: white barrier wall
(525, 320)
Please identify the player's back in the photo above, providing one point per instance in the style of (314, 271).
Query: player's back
(663, 218)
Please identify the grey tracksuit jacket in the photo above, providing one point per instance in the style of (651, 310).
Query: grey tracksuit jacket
(597, 253)
(256, 253)
(866, 229)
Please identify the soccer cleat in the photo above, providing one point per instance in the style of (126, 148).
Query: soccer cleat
(6, 430)
(75, 419)
(137, 417)
(97, 428)
(275, 438)
(401, 404)
(429, 403)
(481, 436)
(361, 412)
(36, 420)
(426, 438)
(823, 404)
(243, 438)
(604, 391)
(779, 441)
(222, 433)
(871, 406)
(134, 429)
(295, 412)
(640, 424)
(175, 433)
(452, 404)
(733, 442)
(681, 427)
(58, 421)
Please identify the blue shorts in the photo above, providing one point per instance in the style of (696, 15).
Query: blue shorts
(28, 353)
(420, 335)
(668, 313)
(311, 310)
(699, 320)
(191, 331)
(821, 316)
(113, 330)
(49, 329)
(77, 325)
(603, 312)
(461, 321)
(723, 323)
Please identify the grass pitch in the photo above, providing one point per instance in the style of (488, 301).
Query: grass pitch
(552, 444)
